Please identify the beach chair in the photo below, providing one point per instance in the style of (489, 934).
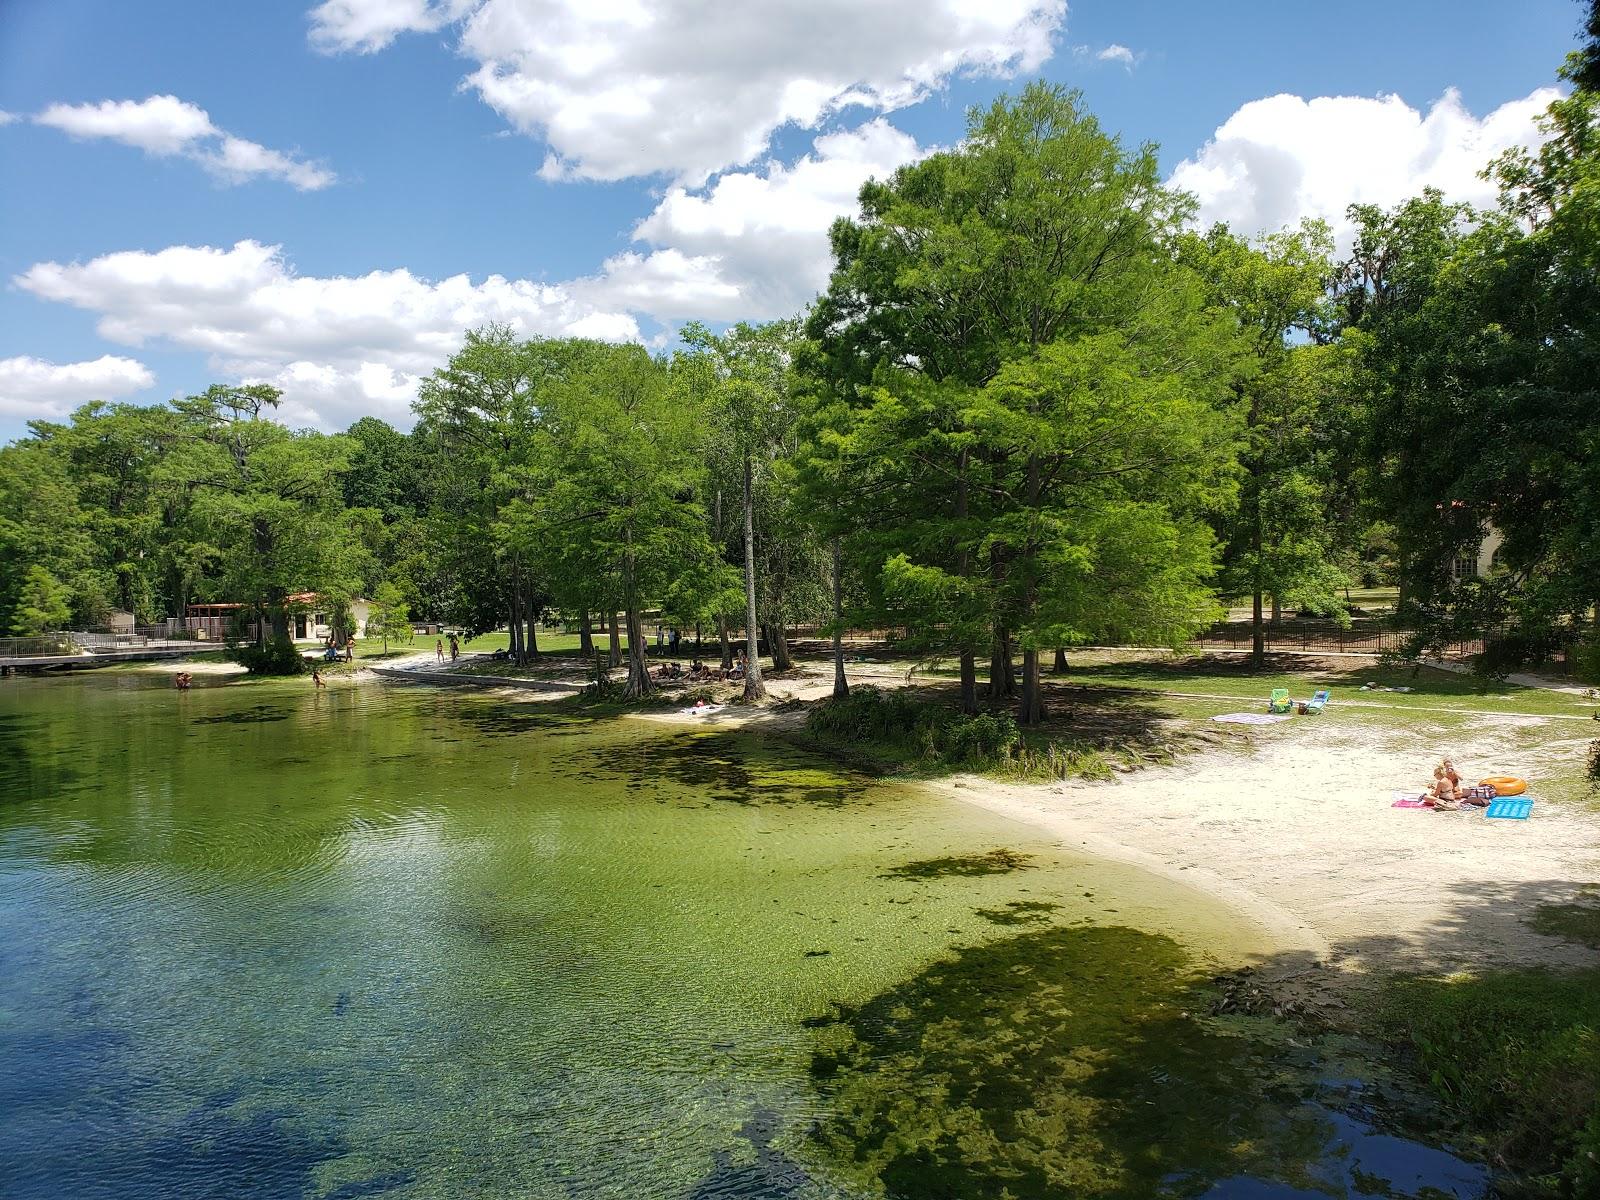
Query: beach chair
(1317, 702)
(1280, 702)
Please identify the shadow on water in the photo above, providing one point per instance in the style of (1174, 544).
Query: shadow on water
(1082, 1062)
(772, 1175)
(999, 861)
(722, 767)
(506, 720)
(259, 714)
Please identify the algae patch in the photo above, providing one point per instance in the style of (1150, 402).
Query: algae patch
(999, 861)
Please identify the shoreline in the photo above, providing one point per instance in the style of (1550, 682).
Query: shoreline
(1295, 833)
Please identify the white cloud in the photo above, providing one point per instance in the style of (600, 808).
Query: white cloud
(165, 126)
(340, 346)
(1118, 54)
(6, 118)
(671, 87)
(33, 387)
(366, 26)
(1282, 158)
(755, 245)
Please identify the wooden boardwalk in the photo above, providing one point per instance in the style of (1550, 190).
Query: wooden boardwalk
(98, 658)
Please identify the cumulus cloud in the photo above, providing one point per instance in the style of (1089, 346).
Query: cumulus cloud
(753, 246)
(7, 118)
(366, 26)
(165, 127)
(1118, 54)
(33, 387)
(666, 87)
(1282, 158)
(339, 346)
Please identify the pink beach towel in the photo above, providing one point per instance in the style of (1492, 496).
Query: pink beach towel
(1407, 800)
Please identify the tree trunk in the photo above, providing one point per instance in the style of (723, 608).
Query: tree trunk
(754, 689)
(1002, 685)
(722, 639)
(969, 658)
(969, 682)
(841, 685)
(1277, 608)
(1032, 707)
(1258, 642)
(514, 624)
(585, 636)
(1060, 667)
(778, 646)
(616, 640)
(1032, 696)
(640, 684)
(533, 636)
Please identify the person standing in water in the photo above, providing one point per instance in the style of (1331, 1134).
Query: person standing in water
(316, 678)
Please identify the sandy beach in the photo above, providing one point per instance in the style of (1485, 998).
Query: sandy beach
(1295, 829)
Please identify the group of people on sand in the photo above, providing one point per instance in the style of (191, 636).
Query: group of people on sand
(1447, 793)
(699, 672)
(455, 648)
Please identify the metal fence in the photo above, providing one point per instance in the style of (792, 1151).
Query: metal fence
(94, 641)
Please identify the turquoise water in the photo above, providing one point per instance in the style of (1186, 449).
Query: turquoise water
(257, 941)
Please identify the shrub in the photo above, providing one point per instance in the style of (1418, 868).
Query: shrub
(1515, 1058)
(979, 739)
(278, 657)
(868, 714)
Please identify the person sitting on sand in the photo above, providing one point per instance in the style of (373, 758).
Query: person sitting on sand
(1443, 793)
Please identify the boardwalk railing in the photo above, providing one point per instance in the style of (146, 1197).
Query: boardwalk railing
(67, 643)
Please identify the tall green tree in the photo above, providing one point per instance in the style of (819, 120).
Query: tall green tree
(1014, 307)
(745, 375)
(1279, 540)
(623, 483)
(267, 498)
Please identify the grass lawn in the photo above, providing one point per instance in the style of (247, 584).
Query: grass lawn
(1230, 677)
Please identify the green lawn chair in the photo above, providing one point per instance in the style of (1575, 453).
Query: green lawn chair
(1318, 702)
(1280, 702)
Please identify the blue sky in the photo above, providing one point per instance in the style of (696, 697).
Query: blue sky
(623, 172)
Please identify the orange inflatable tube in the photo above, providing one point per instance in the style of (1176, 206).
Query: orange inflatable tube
(1505, 785)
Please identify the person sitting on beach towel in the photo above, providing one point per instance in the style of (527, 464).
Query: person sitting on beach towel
(1443, 792)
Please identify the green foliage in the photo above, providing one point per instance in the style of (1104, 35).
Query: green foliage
(1037, 391)
(389, 617)
(872, 715)
(41, 605)
(1477, 335)
(1515, 1058)
(277, 656)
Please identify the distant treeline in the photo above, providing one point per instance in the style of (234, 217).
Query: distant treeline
(1033, 408)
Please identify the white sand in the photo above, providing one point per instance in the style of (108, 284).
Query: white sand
(1300, 836)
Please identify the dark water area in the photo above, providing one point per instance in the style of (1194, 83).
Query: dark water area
(259, 941)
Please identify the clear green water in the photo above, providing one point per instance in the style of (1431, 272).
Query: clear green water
(257, 941)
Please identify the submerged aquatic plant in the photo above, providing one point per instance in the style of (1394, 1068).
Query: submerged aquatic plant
(1056, 1063)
